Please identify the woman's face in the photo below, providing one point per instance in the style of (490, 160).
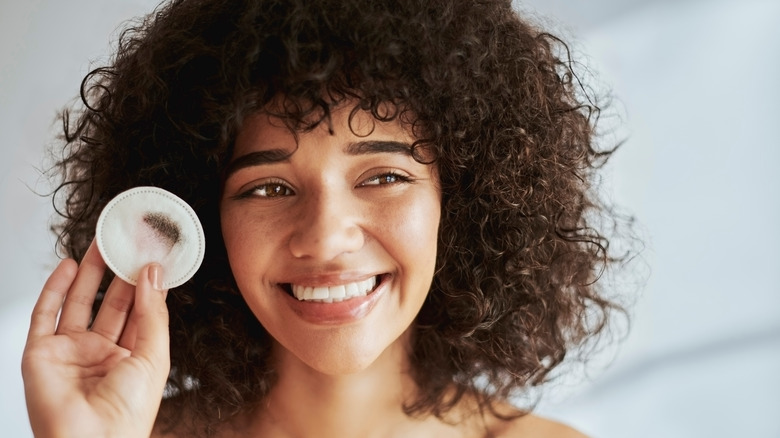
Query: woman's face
(331, 239)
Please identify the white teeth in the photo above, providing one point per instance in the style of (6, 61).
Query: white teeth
(319, 293)
(337, 292)
(334, 293)
(352, 289)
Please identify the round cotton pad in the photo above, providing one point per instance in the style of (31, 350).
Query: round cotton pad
(148, 224)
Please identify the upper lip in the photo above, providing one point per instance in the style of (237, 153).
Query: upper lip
(327, 279)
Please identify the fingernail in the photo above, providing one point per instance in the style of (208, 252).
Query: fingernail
(155, 276)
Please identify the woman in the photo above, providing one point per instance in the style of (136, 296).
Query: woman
(394, 197)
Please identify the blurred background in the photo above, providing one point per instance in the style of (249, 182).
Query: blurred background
(697, 89)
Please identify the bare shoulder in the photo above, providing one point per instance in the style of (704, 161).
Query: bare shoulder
(532, 426)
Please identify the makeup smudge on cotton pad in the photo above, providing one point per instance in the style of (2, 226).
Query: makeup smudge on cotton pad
(166, 230)
(148, 224)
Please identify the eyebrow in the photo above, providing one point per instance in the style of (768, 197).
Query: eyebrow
(378, 147)
(271, 156)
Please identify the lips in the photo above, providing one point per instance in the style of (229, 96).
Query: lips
(336, 311)
(333, 294)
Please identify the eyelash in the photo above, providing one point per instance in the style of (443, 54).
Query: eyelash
(280, 186)
(398, 178)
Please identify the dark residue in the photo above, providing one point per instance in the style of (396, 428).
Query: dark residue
(164, 226)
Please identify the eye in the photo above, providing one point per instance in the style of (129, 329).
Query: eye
(385, 178)
(270, 189)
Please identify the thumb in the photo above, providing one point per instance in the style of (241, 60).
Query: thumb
(152, 338)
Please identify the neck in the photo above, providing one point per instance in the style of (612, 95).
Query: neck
(305, 402)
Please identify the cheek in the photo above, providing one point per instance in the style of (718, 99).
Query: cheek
(414, 228)
(254, 242)
(240, 231)
(248, 261)
(230, 225)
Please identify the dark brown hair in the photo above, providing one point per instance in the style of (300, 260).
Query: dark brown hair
(491, 96)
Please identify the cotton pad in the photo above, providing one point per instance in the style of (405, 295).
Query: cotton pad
(148, 224)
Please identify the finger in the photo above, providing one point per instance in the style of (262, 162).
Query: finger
(151, 315)
(44, 316)
(127, 340)
(112, 316)
(77, 309)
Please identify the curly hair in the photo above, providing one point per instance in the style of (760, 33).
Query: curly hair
(495, 99)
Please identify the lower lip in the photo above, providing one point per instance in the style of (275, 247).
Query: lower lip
(342, 312)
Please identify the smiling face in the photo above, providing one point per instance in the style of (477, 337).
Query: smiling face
(331, 239)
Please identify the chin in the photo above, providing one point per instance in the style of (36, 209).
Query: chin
(346, 354)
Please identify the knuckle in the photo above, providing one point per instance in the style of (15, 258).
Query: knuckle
(79, 299)
(120, 304)
(43, 315)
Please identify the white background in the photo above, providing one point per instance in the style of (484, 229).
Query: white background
(698, 84)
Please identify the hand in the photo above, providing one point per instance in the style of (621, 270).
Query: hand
(102, 380)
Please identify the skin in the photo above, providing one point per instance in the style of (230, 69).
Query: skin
(100, 380)
(344, 211)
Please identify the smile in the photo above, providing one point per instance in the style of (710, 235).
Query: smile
(333, 294)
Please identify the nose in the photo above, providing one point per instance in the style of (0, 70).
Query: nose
(326, 228)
